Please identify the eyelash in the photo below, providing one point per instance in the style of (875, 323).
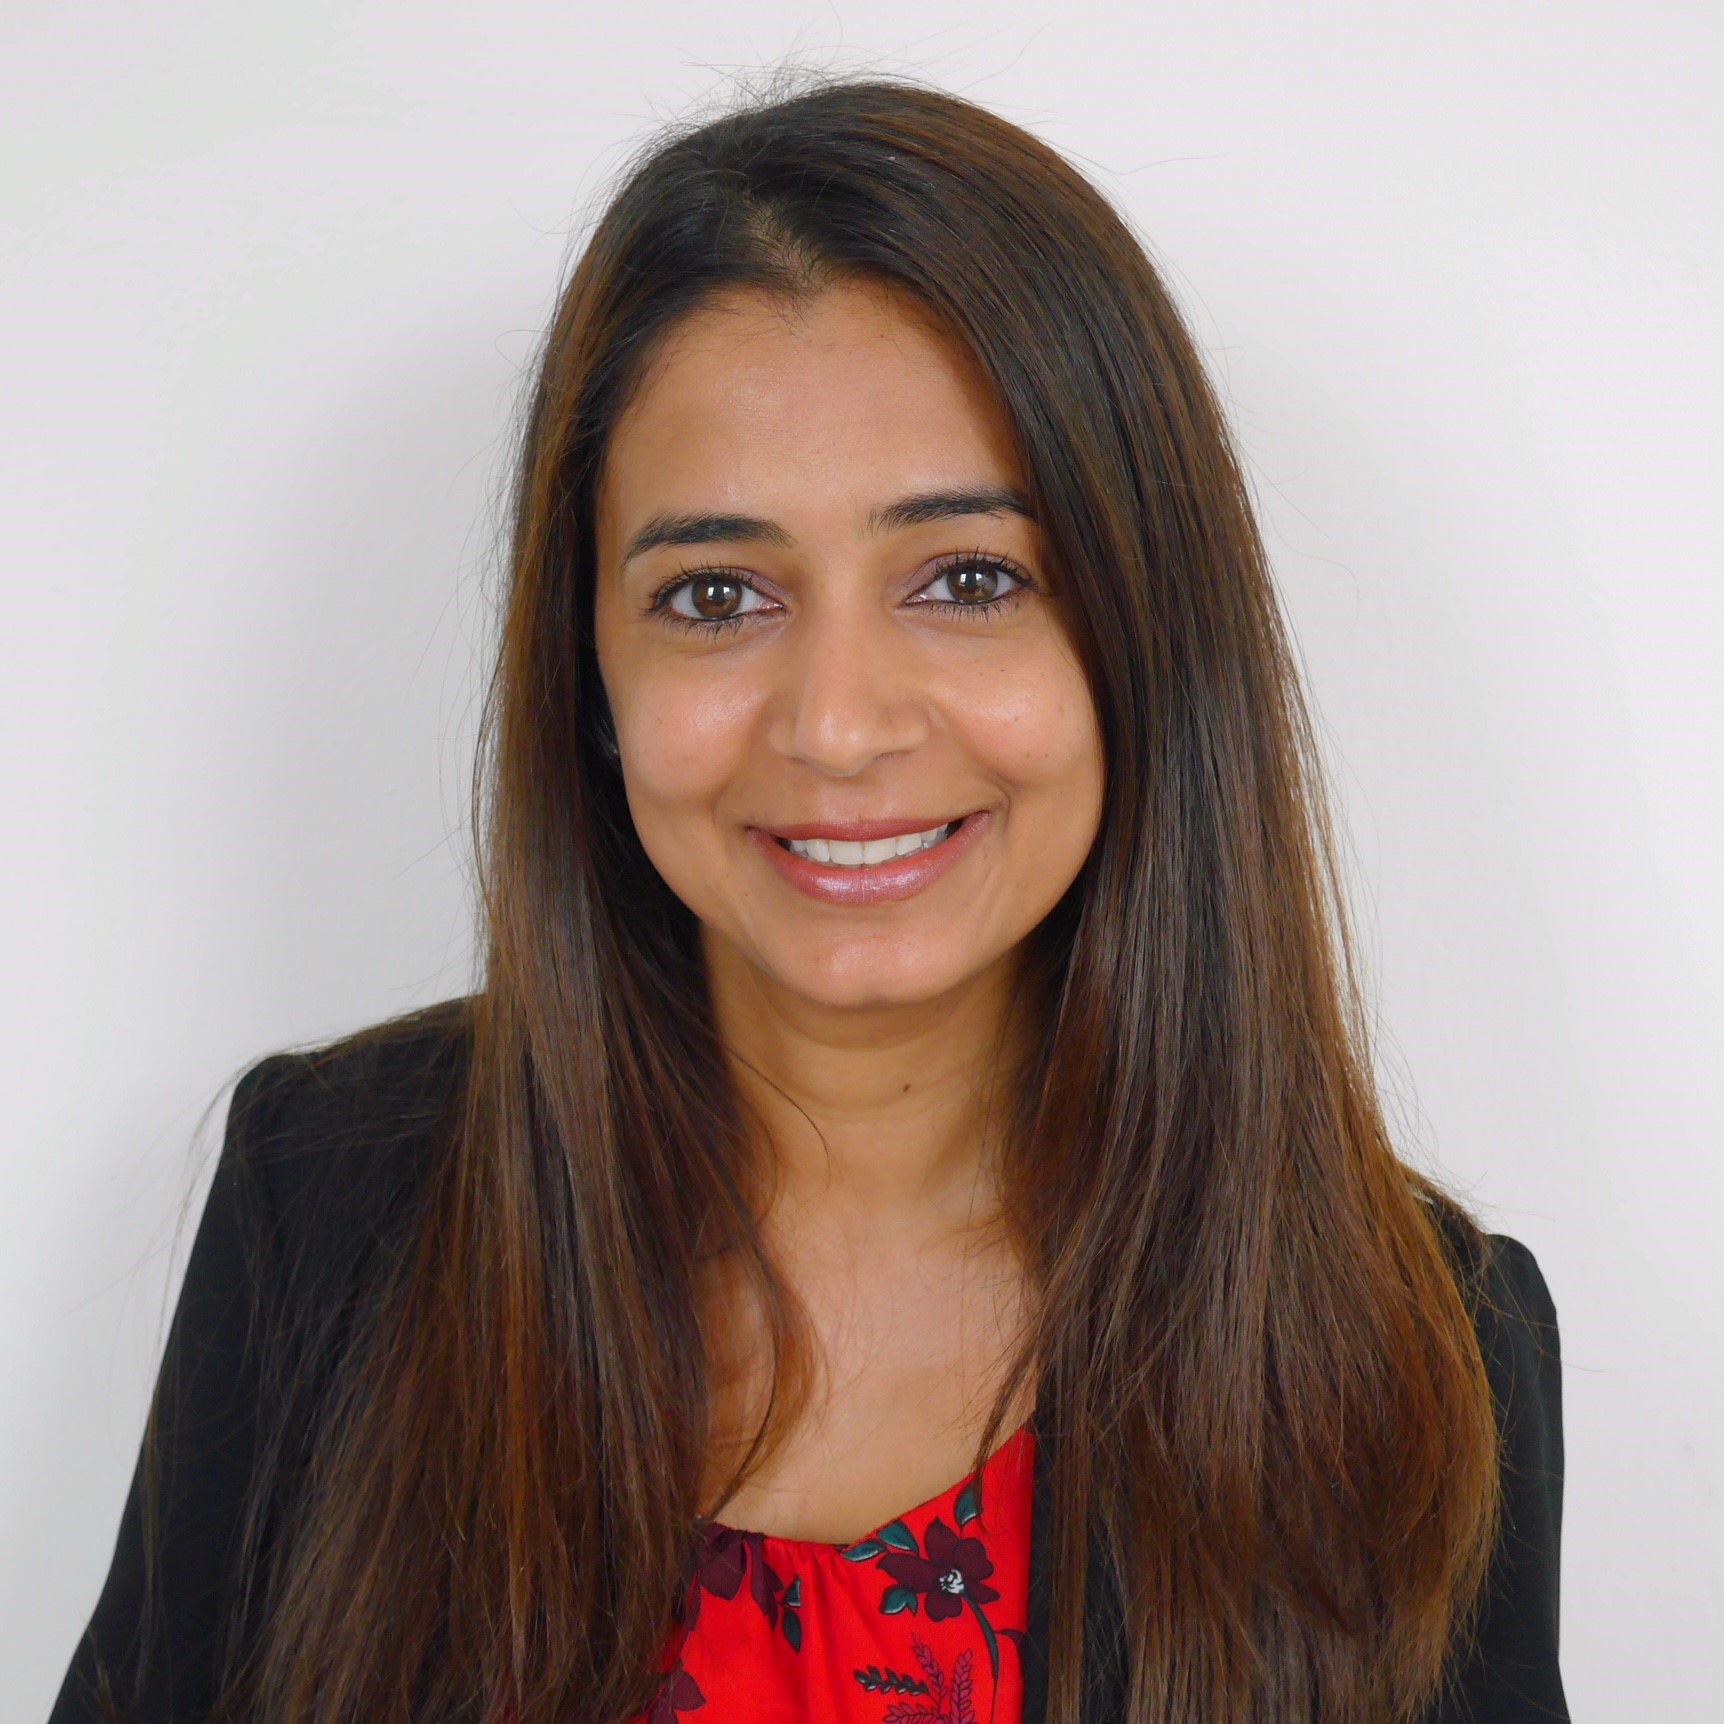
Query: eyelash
(659, 603)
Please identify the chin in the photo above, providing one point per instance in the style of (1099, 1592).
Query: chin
(878, 975)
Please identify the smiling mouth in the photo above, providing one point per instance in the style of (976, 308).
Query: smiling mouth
(872, 853)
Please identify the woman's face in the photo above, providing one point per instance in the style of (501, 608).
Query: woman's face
(856, 739)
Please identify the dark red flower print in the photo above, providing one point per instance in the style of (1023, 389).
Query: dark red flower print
(724, 1557)
(764, 1584)
(954, 1569)
(680, 1693)
(722, 1561)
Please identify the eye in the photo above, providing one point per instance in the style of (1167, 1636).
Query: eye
(973, 582)
(709, 596)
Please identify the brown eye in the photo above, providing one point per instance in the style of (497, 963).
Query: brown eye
(715, 596)
(974, 583)
(712, 596)
(971, 583)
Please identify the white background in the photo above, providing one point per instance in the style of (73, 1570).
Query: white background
(271, 274)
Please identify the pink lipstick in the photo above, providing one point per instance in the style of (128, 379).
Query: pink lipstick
(861, 862)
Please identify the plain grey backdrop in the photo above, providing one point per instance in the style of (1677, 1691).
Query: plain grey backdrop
(271, 274)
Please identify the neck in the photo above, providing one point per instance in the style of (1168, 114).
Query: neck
(884, 1115)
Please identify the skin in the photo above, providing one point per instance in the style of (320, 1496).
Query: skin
(867, 1035)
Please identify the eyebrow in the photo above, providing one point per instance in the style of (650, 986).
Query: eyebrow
(672, 528)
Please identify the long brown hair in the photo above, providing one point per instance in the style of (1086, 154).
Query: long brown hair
(1246, 1323)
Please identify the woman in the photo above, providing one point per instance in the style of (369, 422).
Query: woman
(905, 1230)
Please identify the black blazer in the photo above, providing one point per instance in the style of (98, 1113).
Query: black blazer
(319, 1171)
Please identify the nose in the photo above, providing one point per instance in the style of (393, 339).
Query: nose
(850, 692)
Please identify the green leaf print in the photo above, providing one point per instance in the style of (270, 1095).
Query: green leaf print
(899, 1537)
(969, 1504)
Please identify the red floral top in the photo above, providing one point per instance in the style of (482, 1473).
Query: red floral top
(918, 1623)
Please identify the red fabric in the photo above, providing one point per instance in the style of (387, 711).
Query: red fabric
(919, 1623)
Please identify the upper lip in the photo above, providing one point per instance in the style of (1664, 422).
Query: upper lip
(859, 831)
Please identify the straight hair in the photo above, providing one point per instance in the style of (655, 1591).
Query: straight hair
(1248, 1317)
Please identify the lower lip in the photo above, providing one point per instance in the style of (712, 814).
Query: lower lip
(883, 882)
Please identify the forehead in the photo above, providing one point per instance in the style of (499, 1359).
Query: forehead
(833, 402)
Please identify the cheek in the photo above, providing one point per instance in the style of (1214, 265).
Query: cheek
(685, 740)
(1032, 724)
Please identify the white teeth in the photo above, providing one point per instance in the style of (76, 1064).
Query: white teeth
(848, 853)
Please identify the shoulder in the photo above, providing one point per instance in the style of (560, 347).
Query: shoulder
(324, 1152)
(1510, 1669)
(1515, 1318)
(373, 1085)
(332, 1145)
(1521, 1342)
